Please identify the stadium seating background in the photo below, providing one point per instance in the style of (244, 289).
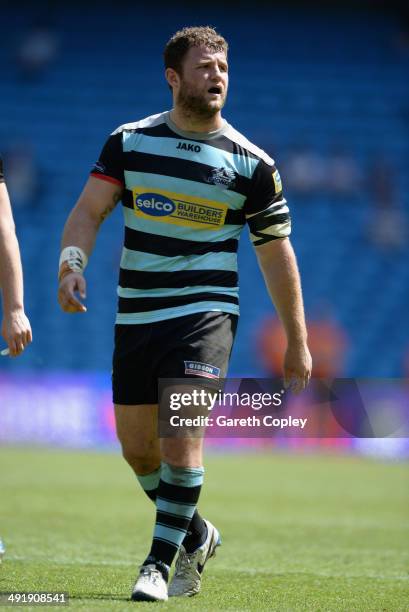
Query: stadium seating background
(295, 74)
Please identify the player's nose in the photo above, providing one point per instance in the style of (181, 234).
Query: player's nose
(216, 80)
(216, 73)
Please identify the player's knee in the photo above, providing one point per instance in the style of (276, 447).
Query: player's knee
(182, 453)
(143, 459)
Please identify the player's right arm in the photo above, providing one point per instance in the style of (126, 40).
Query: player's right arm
(15, 326)
(96, 202)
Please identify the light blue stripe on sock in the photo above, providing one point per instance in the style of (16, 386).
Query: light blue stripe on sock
(173, 536)
(173, 528)
(185, 510)
(150, 481)
(182, 476)
(170, 535)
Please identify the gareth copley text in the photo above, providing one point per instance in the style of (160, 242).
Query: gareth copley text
(250, 421)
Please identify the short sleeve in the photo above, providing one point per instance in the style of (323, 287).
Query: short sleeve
(266, 209)
(1, 171)
(109, 166)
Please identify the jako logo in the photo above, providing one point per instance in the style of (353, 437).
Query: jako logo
(155, 204)
(187, 146)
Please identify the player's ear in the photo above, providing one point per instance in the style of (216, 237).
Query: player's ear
(172, 77)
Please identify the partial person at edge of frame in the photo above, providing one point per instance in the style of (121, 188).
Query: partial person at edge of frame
(15, 326)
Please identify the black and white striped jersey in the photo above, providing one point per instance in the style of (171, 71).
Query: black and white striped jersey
(186, 199)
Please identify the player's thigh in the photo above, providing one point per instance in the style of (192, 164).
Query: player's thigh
(197, 345)
(137, 428)
(133, 378)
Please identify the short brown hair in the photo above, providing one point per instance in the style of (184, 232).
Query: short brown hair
(184, 39)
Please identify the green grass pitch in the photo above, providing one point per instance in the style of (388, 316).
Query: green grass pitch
(315, 532)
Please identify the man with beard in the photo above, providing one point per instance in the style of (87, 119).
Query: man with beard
(188, 183)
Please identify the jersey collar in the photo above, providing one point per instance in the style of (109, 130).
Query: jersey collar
(195, 135)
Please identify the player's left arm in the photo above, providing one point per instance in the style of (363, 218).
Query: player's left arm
(269, 222)
(278, 264)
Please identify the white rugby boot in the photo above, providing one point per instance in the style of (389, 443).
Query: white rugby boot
(150, 585)
(187, 578)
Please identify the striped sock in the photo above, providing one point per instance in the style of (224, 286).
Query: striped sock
(149, 483)
(177, 495)
(197, 531)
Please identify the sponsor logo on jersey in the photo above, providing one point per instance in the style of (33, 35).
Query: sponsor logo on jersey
(197, 368)
(188, 146)
(277, 181)
(179, 209)
(155, 204)
(223, 177)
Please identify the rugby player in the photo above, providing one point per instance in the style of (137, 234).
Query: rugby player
(15, 327)
(188, 182)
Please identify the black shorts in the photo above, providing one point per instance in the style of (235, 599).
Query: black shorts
(194, 345)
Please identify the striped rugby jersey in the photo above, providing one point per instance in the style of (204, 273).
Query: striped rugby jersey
(186, 199)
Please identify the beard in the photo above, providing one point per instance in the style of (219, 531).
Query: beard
(194, 103)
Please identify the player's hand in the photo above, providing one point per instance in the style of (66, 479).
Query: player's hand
(297, 367)
(72, 283)
(16, 331)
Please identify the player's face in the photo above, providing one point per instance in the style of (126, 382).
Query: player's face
(202, 87)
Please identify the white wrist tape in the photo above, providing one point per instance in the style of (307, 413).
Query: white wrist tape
(75, 257)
